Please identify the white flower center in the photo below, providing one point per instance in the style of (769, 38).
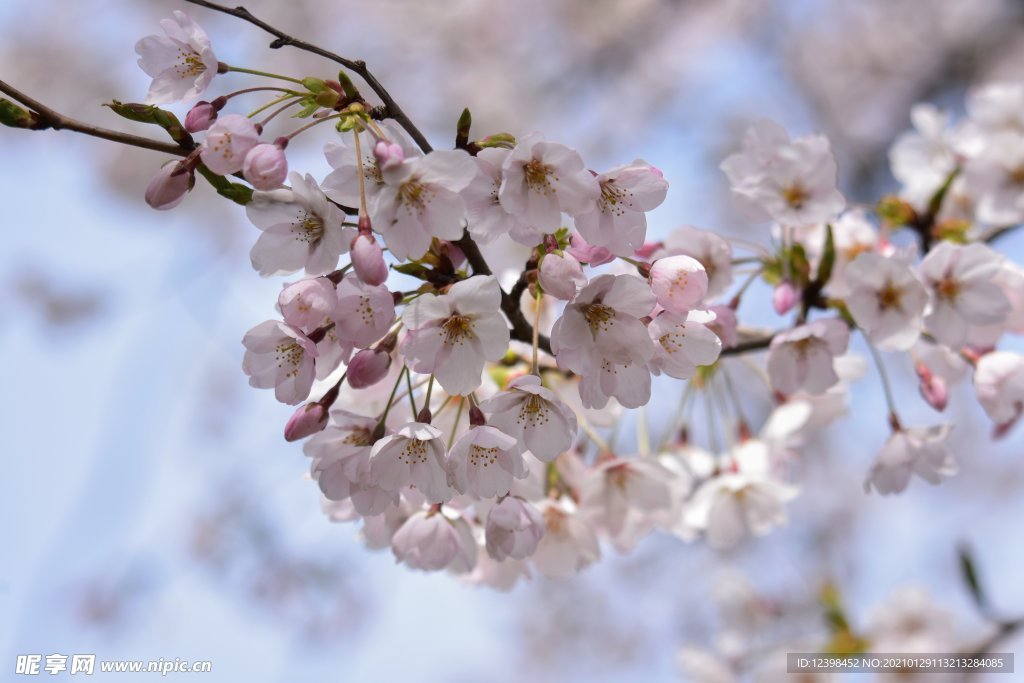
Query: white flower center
(533, 412)
(612, 198)
(598, 316)
(414, 453)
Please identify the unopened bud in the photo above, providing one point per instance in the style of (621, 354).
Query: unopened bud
(368, 260)
(933, 389)
(388, 154)
(200, 117)
(266, 166)
(306, 421)
(784, 297)
(368, 367)
(169, 186)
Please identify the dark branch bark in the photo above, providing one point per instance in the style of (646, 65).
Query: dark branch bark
(357, 66)
(56, 121)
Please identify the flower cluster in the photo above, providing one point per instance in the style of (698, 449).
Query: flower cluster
(471, 440)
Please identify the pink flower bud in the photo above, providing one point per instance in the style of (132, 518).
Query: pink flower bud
(368, 367)
(388, 154)
(680, 283)
(561, 275)
(169, 186)
(933, 389)
(200, 117)
(265, 166)
(306, 421)
(368, 260)
(585, 253)
(784, 297)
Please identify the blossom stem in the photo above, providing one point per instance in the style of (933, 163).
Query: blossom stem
(262, 88)
(455, 424)
(535, 368)
(362, 180)
(643, 435)
(309, 125)
(391, 399)
(408, 383)
(430, 390)
(886, 386)
(271, 115)
(734, 303)
(254, 72)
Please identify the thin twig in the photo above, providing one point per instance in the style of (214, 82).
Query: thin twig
(355, 65)
(50, 118)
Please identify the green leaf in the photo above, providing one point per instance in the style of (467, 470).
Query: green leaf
(415, 270)
(309, 106)
(970, 576)
(151, 114)
(236, 192)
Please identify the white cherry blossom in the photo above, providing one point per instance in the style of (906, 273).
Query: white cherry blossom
(887, 300)
(683, 342)
(618, 220)
(182, 63)
(514, 528)
(431, 541)
(963, 291)
(802, 358)
(454, 334)
(533, 416)
(301, 230)
(415, 454)
(999, 383)
(542, 179)
(484, 461)
(281, 357)
(915, 450)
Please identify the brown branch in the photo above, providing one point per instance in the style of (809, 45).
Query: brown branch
(355, 65)
(50, 119)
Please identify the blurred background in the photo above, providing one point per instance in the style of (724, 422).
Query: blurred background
(151, 507)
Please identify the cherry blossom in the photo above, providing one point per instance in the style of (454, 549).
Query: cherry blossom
(431, 541)
(415, 454)
(684, 342)
(568, 545)
(802, 358)
(301, 230)
(917, 450)
(533, 416)
(792, 182)
(999, 382)
(420, 200)
(960, 279)
(281, 357)
(484, 461)
(308, 304)
(924, 158)
(454, 334)
(625, 497)
(887, 300)
(486, 218)
(182, 63)
(228, 142)
(745, 499)
(341, 463)
(618, 220)
(542, 179)
(514, 528)
(364, 313)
